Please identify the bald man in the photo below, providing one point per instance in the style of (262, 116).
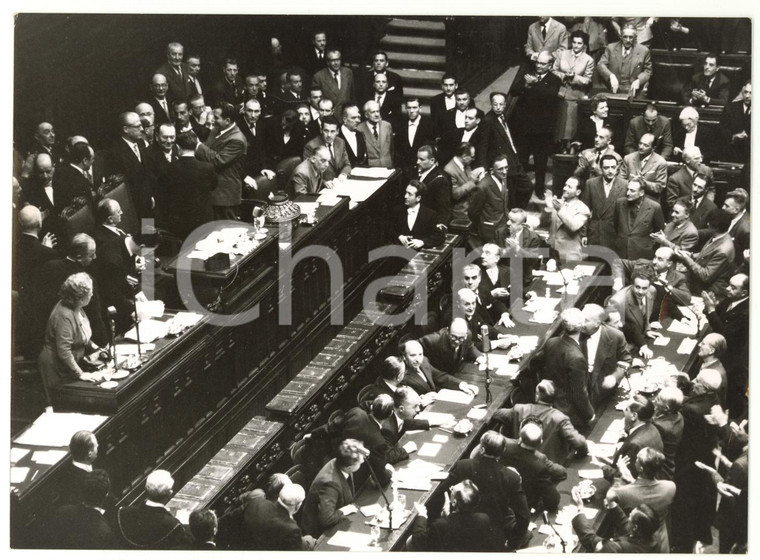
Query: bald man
(452, 346)
(269, 525)
(378, 136)
(424, 378)
(607, 354)
(159, 100)
(654, 123)
(644, 165)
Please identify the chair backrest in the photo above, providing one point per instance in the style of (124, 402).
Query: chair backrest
(284, 170)
(119, 192)
(76, 218)
(668, 79)
(298, 451)
(367, 394)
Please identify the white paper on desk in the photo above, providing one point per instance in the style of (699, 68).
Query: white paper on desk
(429, 449)
(601, 449)
(555, 278)
(308, 207)
(49, 457)
(352, 540)
(371, 172)
(526, 343)
(187, 318)
(150, 330)
(439, 438)
(590, 473)
(149, 309)
(54, 429)
(17, 454)
(497, 360)
(545, 530)
(536, 303)
(327, 198)
(123, 349)
(477, 413)
(436, 417)
(508, 370)
(371, 510)
(412, 432)
(661, 341)
(183, 516)
(585, 269)
(19, 474)
(357, 191)
(283, 246)
(348, 509)
(683, 327)
(687, 345)
(443, 475)
(449, 395)
(415, 484)
(202, 255)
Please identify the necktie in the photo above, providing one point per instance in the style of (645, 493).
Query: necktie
(625, 52)
(509, 135)
(198, 86)
(337, 78)
(253, 129)
(379, 99)
(88, 176)
(136, 150)
(643, 306)
(584, 345)
(319, 55)
(179, 72)
(543, 31)
(351, 484)
(598, 157)
(164, 106)
(374, 130)
(332, 154)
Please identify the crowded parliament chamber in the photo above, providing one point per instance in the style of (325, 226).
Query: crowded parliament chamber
(380, 283)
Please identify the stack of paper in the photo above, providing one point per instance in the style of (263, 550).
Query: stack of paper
(352, 541)
(449, 395)
(54, 429)
(150, 330)
(371, 172)
(440, 418)
(358, 191)
(417, 474)
(687, 345)
(684, 326)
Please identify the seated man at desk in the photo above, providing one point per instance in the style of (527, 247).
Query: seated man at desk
(331, 495)
(637, 529)
(406, 405)
(459, 529)
(559, 435)
(424, 378)
(83, 449)
(452, 346)
(391, 375)
(417, 225)
(495, 307)
(467, 307)
(367, 428)
(502, 496)
(307, 176)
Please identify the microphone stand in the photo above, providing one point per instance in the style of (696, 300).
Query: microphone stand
(137, 326)
(382, 492)
(487, 352)
(112, 333)
(562, 541)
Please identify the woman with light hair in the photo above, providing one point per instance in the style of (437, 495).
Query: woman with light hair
(67, 337)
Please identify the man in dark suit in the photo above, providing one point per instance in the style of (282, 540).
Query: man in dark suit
(413, 132)
(159, 100)
(128, 157)
(534, 116)
(600, 195)
(626, 66)
(489, 204)
(640, 433)
(438, 187)
(336, 81)
(332, 490)
(442, 103)
(711, 268)
(203, 526)
(680, 183)
(564, 363)
(39, 190)
(467, 305)
(366, 427)
(117, 265)
(189, 183)
(454, 119)
(149, 525)
(257, 176)
(185, 122)
(606, 353)
(736, 122)
(391, 375)
(451, 347)
(308, 177)
(176, 73)
(225, 148)
(83, 449)
(75, 178)
(380, 66)
(200, 114)
(473, 133)
(706, 140)
(424, 378)
(459, 529)
(637, 530)
(159, 156)
(338, 162)
(494, 277)
(270, 525)
(540, 476)
(521, 248)
(81, 525)
(356, 145)
(416, 224)
(315, 59)
(193, 63)
(389, 101)
(406, 405)
(698, 198)
(293, 96)
(636, 217)
(653, 123)
(735, 204)
(559, 435)
(228, 89)
(730, 317)
(669, 422)
(708, 87)
(635, 303)
(30, 252)
(501, 492)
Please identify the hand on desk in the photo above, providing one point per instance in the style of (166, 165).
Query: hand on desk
(654, 334)
(467, 388)
(348, 509)
(646, 352)
(506, 320)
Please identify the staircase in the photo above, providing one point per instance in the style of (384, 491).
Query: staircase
(417, 52)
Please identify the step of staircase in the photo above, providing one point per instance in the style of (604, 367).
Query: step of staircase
(431, 78)
(421, 92)
(418, 27)
(417, 60)
(413, 43)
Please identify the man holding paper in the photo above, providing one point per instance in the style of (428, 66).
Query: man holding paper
(424, 378)
(449, 348)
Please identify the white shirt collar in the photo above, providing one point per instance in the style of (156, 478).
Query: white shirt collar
(347, 132)
(413, 209)
(151, 503)
(227, 129)
(737, 218)
(83, 466)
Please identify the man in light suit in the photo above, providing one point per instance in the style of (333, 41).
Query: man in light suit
(566, 221)
(415, 131)
(378, 136)
(463, 180)
(307, 176)
(713, 266)
(338, 163)
(332, 489)
(646, 167)
(417, 225)
(546, 34)
(635, 304)
(176, 72)
(680, 183)
(489, 205)
(606, 353)
(336, 82)
(590, 159)
(600, 195)
(636, 218)
(436, 182)
(654, 123)
(680, 232)
(225, 148)
(626, 66)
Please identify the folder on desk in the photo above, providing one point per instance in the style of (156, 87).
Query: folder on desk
(449, 395)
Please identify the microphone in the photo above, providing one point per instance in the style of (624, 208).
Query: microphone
(361, 450)
(545, 515)
(486, 340)
(486, 351)
(112, 331)
(561, 540)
